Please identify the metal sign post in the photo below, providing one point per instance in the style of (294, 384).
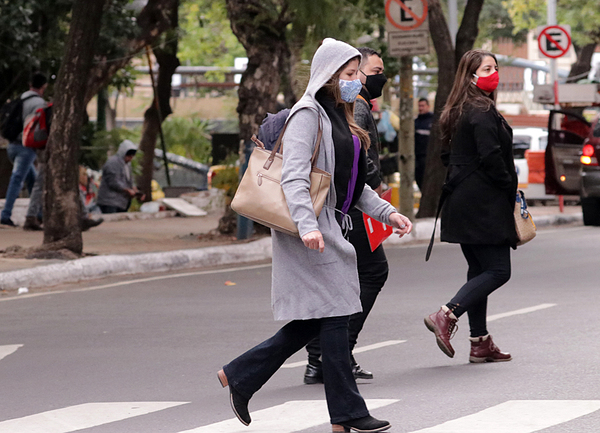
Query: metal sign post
(408, 34)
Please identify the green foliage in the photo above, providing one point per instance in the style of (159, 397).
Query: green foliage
(495, 22)
(582, 15)
(189, 138)
(207, 39)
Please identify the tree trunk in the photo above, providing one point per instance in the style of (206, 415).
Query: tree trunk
(584, 61)
(262, 33)
(62, 207)
(153, 20)
(168, 62)
(261, 29)
(434, 169)
(448, 59)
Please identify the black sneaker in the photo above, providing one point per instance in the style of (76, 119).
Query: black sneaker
(7, 222)
(361, 373)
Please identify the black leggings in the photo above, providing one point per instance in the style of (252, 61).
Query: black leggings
(489, 268)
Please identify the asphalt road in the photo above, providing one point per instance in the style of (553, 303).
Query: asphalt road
(141, 355)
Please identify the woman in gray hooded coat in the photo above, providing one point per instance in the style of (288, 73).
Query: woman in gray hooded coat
(315, 280)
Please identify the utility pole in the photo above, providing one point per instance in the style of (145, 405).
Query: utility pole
(551, 21)
(406, 138)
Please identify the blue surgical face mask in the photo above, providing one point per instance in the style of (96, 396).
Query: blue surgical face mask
(350, 89)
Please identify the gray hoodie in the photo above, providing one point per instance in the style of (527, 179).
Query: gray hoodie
(117, 178)
(307, 284)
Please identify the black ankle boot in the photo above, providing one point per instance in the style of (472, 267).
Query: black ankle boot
(366, 424)
(358, 371)
(313, 374)
(239, 403)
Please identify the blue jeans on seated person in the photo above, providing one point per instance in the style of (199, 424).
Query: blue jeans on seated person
(23, 171)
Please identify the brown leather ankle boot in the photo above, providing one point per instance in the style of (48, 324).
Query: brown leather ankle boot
(483, 349)
(443, 325)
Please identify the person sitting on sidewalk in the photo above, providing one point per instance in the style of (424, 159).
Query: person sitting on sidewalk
(23, 157)
(117, 188)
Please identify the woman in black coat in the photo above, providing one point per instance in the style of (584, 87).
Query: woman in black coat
(478, 214)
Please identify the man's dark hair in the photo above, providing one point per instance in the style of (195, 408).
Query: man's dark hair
(367, 52)
(424, 100)
(131, 152)
(38, 80)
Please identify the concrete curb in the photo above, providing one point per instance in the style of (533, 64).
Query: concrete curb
(103, 266)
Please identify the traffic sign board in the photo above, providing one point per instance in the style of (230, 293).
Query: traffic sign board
(554, 41)
(405, 14)
(403, 43)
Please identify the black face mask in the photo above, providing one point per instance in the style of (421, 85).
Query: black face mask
(374, 84)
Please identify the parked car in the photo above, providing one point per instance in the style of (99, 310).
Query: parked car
(572, 161)
(590, 175)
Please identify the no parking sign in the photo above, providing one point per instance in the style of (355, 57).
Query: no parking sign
(554, 41)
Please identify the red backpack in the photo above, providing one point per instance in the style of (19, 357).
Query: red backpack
(37, 128)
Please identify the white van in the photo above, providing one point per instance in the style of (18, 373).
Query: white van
(529, 139)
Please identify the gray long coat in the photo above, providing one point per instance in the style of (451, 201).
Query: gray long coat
(307, 284)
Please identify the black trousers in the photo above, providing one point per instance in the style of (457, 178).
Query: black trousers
(489, 268)
(250, 371)
(372, 275)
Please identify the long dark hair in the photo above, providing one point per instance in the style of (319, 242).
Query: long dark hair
(333, 88)
(463, 91)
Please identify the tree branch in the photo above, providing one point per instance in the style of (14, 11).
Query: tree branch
(467, 33)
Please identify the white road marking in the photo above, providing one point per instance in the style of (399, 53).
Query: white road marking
(518, 416)
(8, 349)
(521, 311)
(292, 416)
(357, 350)
(140, 280)
(82, 416)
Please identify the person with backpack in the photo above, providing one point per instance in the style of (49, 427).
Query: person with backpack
(22, 157)
(372, 265)
(315, 283)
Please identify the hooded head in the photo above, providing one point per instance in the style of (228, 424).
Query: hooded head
(125, 147)
(329, 57)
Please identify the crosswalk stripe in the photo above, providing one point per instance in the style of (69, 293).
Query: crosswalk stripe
(8, 349)
(521, 311)
(82, 416)
(518, 416)
(357, 350)
(292, 416)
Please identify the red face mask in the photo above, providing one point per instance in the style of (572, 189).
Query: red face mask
(489, 83)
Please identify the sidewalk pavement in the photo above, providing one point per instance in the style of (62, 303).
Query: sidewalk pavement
(146, 243)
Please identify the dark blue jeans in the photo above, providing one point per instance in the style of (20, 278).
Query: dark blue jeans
(250, 371)
(489, 268)
(23, 171)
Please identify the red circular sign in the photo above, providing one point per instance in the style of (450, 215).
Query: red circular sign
(554, 46)
(418, 19)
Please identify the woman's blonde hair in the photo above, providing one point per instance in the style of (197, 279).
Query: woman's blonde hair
(333, 88)
(464, 91)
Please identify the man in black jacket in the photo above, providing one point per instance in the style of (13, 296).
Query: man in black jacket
(372, 266)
